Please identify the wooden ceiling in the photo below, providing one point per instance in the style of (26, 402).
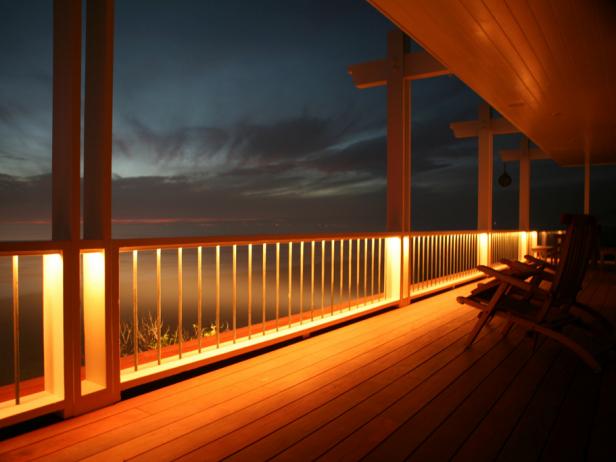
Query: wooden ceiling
(549, 66)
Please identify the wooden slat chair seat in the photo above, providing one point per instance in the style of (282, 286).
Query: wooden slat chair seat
(517, 296)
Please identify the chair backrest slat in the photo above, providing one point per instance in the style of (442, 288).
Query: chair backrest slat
(575, 254)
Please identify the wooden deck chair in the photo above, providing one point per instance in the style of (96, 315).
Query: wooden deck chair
(543, 311)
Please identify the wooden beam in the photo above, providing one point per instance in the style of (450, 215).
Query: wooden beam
(398, 137)
(470, 128)
(417, 65)
(512, 155)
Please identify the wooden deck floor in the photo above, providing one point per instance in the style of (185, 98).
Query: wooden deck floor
(396, 386)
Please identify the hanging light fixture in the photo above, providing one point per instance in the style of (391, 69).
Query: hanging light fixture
(505, 179)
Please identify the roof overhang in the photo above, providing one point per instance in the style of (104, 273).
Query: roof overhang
(548, 67)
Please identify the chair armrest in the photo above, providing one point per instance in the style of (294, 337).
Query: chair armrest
(513, 281)
(538, 261)
(519, 266)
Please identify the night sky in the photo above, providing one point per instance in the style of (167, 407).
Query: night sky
(239, 117)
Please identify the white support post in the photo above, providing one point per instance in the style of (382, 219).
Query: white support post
(65, 172)
(398, 138)
(485, 170)
(101, 304)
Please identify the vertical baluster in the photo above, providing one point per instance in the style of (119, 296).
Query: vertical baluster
(312, 281)
(199, 296)
(16, 329)
(365, 268)
(217, 296)
(350, 272)
(263, 287)
(357, 272)
(423, 260)
(135, 317)
(439, 259)
(414, 261)
(322, 277)
(448, 256)
(159, 320)
(234, 292)
(249, 291)
(301, 282)
(331, 285)
(290, 291)
(379, 271)
(341, 273)
(372, 270)
(180, 305)
(277, 283)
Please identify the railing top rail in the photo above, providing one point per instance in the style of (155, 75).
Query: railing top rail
(208, 241)
(45, 247)
(10, 248)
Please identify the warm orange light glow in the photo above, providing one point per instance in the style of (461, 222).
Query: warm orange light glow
(94, 321)
(53, 323)
(392, 267)
(483, 249)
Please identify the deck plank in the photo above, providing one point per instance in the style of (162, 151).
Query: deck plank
(392, 386)
(184, 416)
(346, 391)
(277, 363)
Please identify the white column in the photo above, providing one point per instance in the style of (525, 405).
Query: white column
(398, 138)
(485, 170)
(524, 193)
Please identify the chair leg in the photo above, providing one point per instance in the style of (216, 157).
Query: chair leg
(603, 321)
(582, 353)
(481, 322)
(507, 328)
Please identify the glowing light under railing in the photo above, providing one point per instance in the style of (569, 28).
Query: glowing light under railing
(393, 255)
(483, 249)
(523, 242)
(94, 321)
(53, 323)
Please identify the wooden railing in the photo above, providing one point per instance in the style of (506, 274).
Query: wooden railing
(177, 304)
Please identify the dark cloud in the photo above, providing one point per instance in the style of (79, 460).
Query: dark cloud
(168, 145)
